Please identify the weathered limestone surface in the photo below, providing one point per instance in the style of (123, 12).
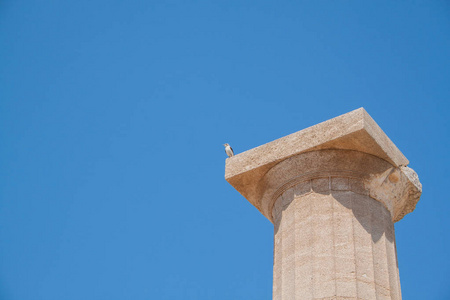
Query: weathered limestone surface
(333, 192)
(355, 130)
(331, 238)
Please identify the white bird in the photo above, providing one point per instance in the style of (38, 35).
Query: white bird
(228, 150)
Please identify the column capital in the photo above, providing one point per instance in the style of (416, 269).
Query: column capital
(349, 146)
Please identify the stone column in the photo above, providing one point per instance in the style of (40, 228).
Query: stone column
(333, 192)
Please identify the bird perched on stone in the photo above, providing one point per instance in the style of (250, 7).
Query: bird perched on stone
(228, 150)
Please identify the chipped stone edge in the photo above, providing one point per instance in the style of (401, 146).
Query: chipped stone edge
(398, 188)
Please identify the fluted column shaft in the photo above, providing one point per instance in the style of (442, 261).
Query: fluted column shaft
(332, 241)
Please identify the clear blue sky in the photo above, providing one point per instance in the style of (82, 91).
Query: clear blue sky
(112, 120)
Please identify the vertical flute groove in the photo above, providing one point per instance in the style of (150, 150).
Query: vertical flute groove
(354, 249)
(374, 267)
(334, 240)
